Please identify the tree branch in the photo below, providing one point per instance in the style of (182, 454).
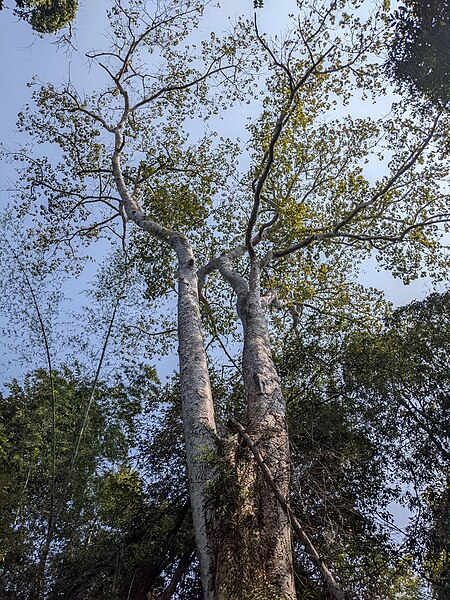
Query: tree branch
(236, 253)
(269, 156)
(132, 208)
(182, 566)
(181, 86)
(237, 282)
(335, 230)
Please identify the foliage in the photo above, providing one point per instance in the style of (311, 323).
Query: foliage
(400, 382)
(46, 16)
(124, 529)
(28, 500)
(340, 476)
(419, 58)
(368, 427)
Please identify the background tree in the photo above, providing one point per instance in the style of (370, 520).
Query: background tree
(27, 466)
(287, 235)
(368, 427)
(418, 57)
(400, 381)
(46, 16)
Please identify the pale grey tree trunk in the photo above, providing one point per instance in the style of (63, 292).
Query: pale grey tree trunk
(198, 412)
(247, 553)
(267, 427)
(196, 396)
(256, 559)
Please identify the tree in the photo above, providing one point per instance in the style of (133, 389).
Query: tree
(32, 499)
(400, 380)
(114, 535)
(418, 56)
(46, 16)
(284, 236)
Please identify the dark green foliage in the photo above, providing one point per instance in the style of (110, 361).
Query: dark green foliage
(367, 426)
(133, 540)
(122, 532)
(419, 58)
(26, 465)
(47, 16)
(368, 422)
(143, 528)
(338, 472)
(400, 381)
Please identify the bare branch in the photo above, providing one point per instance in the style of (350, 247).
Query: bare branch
(408, 164)
(258, 184)
(269, 50)
(77, 107)
(236, 253)
(83, 231)
(182, 86)
(151, 333)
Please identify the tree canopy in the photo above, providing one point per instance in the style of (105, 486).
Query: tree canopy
(46, 16)
(419, 56)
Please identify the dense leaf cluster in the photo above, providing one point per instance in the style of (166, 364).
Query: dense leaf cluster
(419, 57)
(400, 381)
(46, 16)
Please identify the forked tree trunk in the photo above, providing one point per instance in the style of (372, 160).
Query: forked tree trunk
(243, 545)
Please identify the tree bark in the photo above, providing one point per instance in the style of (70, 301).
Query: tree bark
(198, 412)
(332, 585)
(255, 562)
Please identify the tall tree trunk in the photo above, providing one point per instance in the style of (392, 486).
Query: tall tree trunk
(196, 396)
(255, 560)
(198, 411)
(246, 554)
